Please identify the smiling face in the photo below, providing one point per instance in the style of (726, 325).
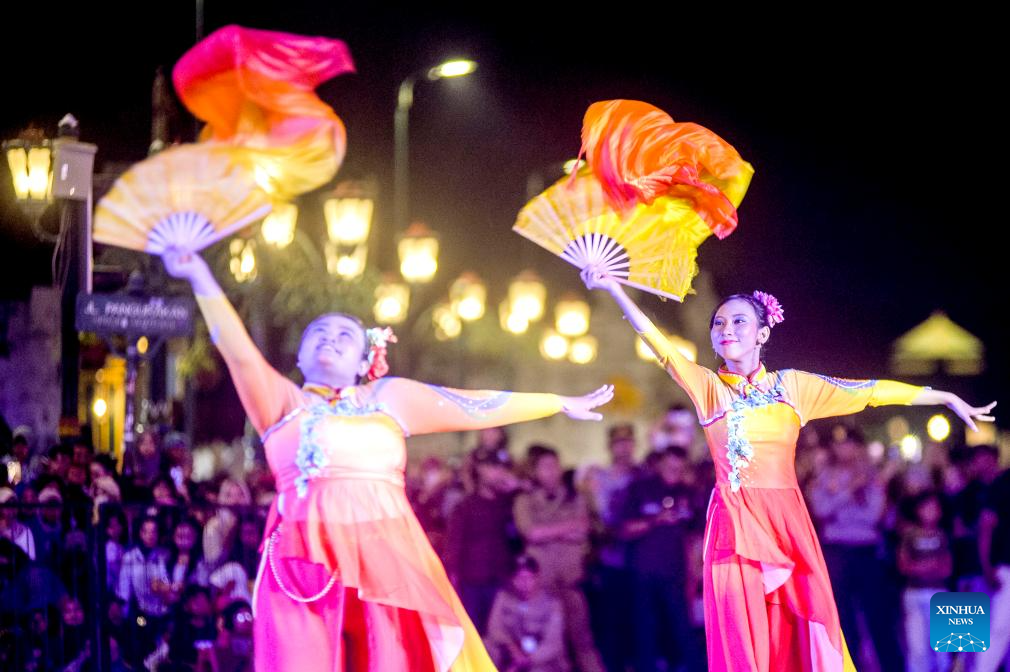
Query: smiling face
(737, 334)
(333, 351)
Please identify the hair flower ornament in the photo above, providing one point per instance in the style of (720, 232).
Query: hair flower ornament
(773, 309)
(379, 339)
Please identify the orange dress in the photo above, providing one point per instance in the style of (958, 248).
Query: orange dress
(768, 599)
(349, 579)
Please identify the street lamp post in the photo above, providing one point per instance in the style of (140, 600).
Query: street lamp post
(29, 159)
(401, 150)
(401, 155)
(44, 170)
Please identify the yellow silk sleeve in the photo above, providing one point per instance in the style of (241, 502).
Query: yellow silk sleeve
(265, 394)
(816, 396)
(894, 393)
(699, 382)
(426, 409)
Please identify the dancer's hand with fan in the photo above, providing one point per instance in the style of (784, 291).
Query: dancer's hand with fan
(651, 192)
(596, 278)
(181, 263)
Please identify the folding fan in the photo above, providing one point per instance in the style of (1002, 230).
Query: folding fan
(188, 196)
(653, 191)
(268, 136)
(651, 247)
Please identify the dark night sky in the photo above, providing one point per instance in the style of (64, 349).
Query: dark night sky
(874, 141)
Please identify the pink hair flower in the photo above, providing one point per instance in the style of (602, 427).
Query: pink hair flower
(773, 309)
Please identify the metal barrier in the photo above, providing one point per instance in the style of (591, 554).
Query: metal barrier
(64, 603)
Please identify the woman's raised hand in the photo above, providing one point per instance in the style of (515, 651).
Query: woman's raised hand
(186, 265)
(595, 278)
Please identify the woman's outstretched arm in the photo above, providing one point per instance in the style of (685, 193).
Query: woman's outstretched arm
(818, 396)
(424, 409)
(696, 380)
(266, 395)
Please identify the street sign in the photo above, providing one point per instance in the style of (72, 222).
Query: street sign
(107, 314)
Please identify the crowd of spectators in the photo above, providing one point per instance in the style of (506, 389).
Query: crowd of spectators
(588, 567)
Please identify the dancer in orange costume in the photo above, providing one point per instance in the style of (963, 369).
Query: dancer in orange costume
(768, 599)
(348, 580)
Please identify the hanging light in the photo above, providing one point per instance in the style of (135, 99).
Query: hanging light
(553, 345)
(897, 427)
(100, 407)
(418, 251)
(582, 350)
(527, 296)
(446, 322)
(571, 316)
(392, 301)
(344, 262)
(349, 212)
(278, 228)
(30, 164)
(512, 321)
(910, 448)
(468, 296)
(938, 428)
(30, 161)
(242, 263)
